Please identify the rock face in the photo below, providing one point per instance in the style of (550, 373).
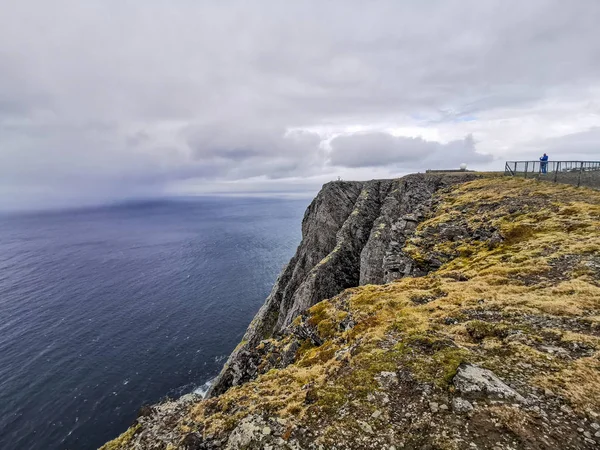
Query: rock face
(353, 233)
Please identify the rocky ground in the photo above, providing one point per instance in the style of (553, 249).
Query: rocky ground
(488, 339)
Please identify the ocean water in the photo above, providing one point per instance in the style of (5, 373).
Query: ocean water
(103, 310)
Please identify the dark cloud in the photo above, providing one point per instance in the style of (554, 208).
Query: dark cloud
(109, 98)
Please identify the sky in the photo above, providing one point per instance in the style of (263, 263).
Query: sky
(102, 100)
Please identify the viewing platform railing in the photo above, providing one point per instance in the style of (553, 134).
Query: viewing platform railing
(571, 172)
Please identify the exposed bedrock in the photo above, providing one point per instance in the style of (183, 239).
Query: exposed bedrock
(353, 233)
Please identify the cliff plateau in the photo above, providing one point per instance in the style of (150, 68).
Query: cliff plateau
(428, 312)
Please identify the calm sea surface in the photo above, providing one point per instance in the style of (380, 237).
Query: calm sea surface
(104, 310)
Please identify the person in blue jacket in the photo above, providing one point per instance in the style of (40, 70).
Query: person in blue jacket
(544, 163)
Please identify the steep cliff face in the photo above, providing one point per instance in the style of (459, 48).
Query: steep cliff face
(488, 337)
(353, 233)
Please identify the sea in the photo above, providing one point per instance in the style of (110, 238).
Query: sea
(106, 309)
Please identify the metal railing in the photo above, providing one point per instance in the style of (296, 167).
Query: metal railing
(570, 172)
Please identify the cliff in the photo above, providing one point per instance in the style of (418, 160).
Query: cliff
(353, 234)
(433, 311)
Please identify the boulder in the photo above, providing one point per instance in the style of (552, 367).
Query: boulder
(477, 381)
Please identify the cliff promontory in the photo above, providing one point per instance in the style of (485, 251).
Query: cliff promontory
(428, 312)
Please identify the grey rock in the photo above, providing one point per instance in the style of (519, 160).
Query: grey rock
(460, 405)
(566, 409)
(249, 430)
(387, 380)
(496, 239)
(365, 426)
(476, 381)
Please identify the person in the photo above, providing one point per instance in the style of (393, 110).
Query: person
(544, 163)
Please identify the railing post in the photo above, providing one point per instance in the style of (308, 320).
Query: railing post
(526, 167)
(515, 171)
(580, 170)
(556, 169)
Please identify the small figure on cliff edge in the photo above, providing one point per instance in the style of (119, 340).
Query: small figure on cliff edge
(544, 163)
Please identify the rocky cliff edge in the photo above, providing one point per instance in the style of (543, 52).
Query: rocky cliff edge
(459, 313)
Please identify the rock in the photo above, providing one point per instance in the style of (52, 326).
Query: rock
(247, 431)
(353, 233)
(496, 239)
(365, 427)
(387, 379)
(311, 396)
(192, 441)
(376, 414)
(476, 381)
(145, 411)
(460, 405)
(444, 407)
(566, 409)
(266, 430)
(434, 407)
(452, 232)
(554, 350)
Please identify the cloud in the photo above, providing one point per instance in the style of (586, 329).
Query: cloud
(383, 149)
(104, 98)
(583, 144)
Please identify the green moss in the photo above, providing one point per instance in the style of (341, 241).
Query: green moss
(122, 441)
(326, 329)
(241, 344)
(318, 355)
(405, 322)
(479, 330)
(516, 232)
(331, 398)
(439, 368)
(304, 348)
(361, 381)
(318, 313)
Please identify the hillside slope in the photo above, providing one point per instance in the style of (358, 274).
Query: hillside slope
(496, 345)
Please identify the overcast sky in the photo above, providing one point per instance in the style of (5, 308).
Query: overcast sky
(103, 100)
